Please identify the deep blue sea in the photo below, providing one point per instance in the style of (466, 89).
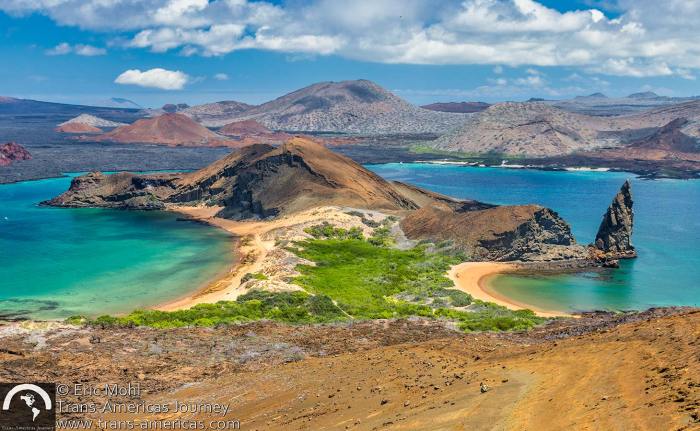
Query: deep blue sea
(666, 231)
(57, 262)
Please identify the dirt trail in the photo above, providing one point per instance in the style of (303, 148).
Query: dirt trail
(638, 376)
(600, 372)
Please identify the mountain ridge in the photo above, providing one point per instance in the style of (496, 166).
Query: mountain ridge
(357, 106)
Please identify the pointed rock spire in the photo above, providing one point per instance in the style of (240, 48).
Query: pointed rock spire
(614, 236)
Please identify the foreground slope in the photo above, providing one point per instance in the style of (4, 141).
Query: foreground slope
(604, 371)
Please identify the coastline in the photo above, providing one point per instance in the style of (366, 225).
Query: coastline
(223, 286)
(473, 278)
(249, 251)
(254, 248)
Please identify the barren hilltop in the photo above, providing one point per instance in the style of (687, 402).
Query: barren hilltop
(86, 123)
(358, 106)
(663, 138)
(168, 129)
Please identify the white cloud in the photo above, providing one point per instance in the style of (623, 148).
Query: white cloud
(632, 67)
(531, 80)
(84, 50)
(221, 77)
(498, 69)
(154, 78)
(60, 49)
(648, 38)
(88, 50)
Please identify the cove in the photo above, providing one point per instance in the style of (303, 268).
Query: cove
(57, 262)
(666, 232)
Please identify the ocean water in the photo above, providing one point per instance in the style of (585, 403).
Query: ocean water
(57, 262)
(666, 232)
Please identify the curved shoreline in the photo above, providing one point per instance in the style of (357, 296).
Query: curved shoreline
(223, 286)
(473, 277)
(470, 277)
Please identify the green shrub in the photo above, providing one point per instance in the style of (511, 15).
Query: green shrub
(253, 276)
(352, 278)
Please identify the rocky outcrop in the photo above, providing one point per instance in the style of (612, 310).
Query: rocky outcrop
(259, 181)
(614, 237)
(122, 190)
(499, 233)
(11, 152)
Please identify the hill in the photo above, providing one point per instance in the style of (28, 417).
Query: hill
(600, 105)
(359, 106)
(250, 131)
(217, 113)
(259, 181)
(262, 182)
(462, 107)
(77, 128)
(536, 129)
(86, 123)
(669, 144)
(169, 129)
(528, 128)
(663, 115)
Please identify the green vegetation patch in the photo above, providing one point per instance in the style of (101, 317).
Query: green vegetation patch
(352, 278)
(369, 281)
(288, 307)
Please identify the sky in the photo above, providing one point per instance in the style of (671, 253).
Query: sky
(195, 51)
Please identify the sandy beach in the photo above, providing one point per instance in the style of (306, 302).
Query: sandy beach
(253, 245)
(254, 249)
(472, 278)
(249, 249)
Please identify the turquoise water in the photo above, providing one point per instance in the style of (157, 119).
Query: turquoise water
(60, 262)
(667, 232)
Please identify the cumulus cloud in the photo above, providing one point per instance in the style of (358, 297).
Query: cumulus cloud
(647, 38)
(154, 78)
(84, 50)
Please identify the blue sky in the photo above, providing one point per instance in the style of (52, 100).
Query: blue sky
(195, 51)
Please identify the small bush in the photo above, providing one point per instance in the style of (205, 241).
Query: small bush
(253, 276)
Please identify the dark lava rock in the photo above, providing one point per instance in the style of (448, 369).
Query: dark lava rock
(614, 236)
(11, 152)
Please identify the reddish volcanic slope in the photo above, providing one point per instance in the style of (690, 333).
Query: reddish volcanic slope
(169, 129)
(243, 128)
(250, 131)
(11, 152)
(77, 128)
